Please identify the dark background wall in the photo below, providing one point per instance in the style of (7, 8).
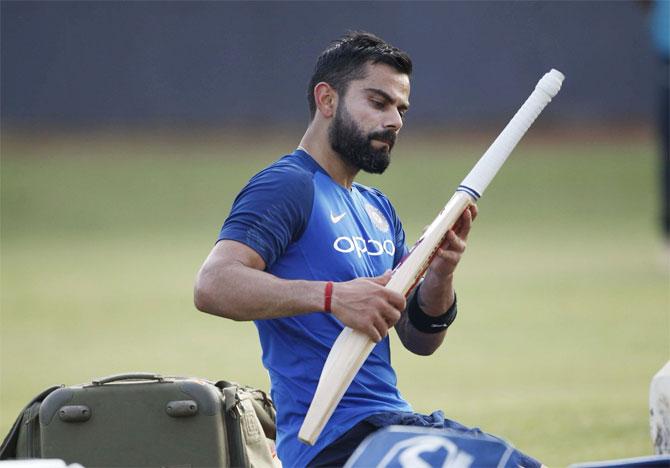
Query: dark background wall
(230, 62)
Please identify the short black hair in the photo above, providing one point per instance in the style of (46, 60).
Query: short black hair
(345, 60)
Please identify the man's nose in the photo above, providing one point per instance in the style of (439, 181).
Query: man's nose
(393, 120)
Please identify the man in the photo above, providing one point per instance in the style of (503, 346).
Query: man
(306, 251)
(659, 28)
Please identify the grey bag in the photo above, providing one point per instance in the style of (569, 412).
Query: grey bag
(142, 419)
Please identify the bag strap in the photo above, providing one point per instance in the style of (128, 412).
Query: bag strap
(236, 449)
(265, 414)
(263, 406)
(8, 447)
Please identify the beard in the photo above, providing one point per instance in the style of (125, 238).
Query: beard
(355, 148)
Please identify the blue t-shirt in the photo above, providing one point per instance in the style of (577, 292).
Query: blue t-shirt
(306, 226)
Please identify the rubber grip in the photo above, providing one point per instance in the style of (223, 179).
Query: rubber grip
(495, 156)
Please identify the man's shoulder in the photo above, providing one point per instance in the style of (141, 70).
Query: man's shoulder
(290, 178)
(289, 168)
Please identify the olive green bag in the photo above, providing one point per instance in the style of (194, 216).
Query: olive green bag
(143, 419)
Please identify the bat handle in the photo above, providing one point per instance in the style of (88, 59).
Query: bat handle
(495, 156)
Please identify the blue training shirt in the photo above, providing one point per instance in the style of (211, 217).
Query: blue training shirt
(306, 226)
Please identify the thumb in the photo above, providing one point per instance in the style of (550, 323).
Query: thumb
(382, 279)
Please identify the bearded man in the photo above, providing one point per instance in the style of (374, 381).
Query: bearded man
(306, 251)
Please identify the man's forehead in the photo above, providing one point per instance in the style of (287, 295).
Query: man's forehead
(379, 76)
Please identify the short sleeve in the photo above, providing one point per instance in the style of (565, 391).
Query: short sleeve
(271, 211)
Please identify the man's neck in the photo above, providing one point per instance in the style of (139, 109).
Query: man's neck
(317, 145)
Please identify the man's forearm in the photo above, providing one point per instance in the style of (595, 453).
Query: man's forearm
(238, 292)
(416, 341)
(435, 297)
(232, 283)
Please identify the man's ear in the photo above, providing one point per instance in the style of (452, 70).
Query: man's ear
(325, 98)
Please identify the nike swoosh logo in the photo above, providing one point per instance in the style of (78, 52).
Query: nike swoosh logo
(338, 218)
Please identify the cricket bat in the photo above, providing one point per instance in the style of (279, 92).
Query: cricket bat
(352, 347)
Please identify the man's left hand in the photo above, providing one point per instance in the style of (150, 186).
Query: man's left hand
(451, 251)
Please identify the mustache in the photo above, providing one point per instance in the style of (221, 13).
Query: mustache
(387, 136)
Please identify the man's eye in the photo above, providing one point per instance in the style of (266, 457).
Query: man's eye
(377, 104)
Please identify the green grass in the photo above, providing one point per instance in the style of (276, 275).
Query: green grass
(563, 295)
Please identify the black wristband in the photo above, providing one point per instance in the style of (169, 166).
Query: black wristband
(427, 323)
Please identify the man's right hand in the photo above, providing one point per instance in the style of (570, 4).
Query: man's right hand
(364, 304)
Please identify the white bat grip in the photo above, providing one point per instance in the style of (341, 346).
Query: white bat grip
(490, 163)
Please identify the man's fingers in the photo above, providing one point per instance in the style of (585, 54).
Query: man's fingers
(381, 327)
(449, 255)
(370, 307)
(474, 210)
(464, 224)
(373, 333)
(383, 279)
(396, 300)
(455, 243)
(391, 315)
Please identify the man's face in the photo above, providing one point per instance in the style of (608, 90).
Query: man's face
(369, 117)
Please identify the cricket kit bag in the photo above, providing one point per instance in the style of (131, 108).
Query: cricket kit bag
(144, 419)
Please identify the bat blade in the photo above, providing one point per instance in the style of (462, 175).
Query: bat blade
(337, 374)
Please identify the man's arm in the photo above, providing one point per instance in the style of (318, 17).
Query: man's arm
(436, 295)
(231, 283)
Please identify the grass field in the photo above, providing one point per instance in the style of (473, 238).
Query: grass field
(564, 296)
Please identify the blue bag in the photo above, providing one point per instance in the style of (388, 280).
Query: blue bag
(418, 447)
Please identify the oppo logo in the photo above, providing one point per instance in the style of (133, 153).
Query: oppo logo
(362, 246)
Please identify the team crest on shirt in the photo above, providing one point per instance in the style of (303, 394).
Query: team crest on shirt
(377, 218)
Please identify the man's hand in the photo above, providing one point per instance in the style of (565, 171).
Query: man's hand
(364, 304)
(451, 251)
(437, 293)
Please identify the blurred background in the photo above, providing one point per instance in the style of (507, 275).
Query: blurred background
(129, 127)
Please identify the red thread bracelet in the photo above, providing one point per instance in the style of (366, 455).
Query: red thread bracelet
(328, 295)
